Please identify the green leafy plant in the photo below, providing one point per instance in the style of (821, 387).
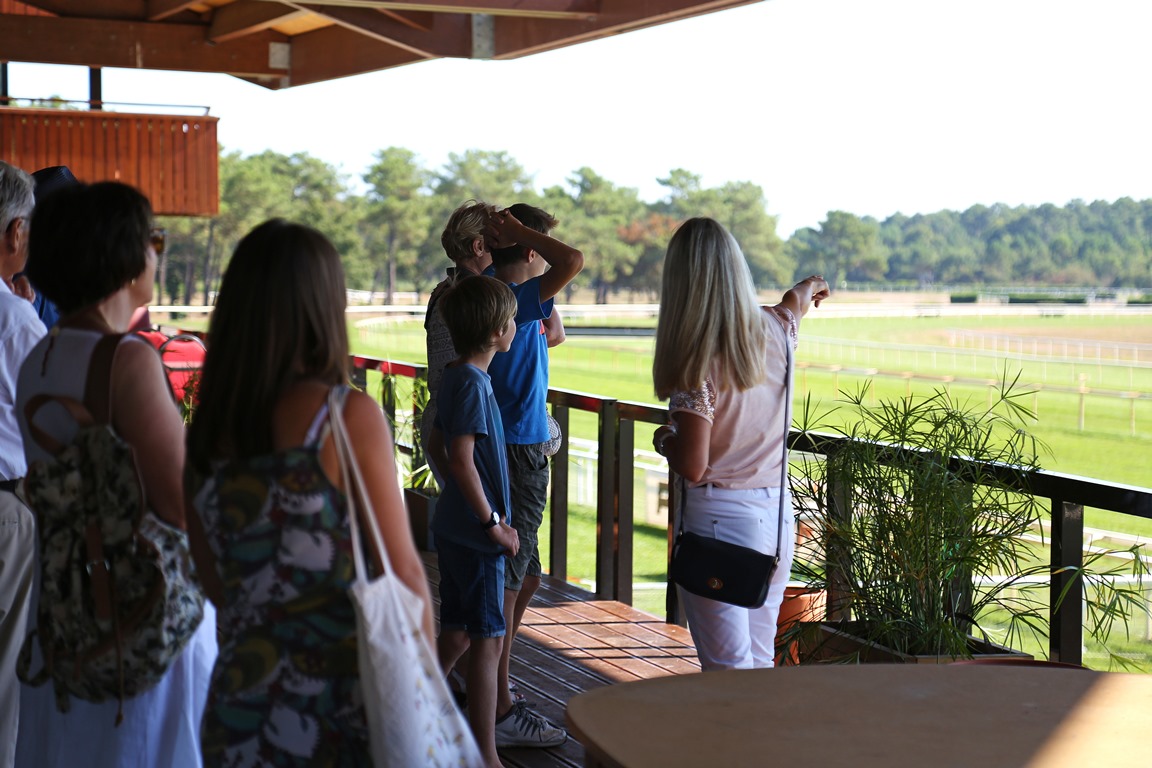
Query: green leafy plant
(191, 398)
(406, 430)
(924, 532)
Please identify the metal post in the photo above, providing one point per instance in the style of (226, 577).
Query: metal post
(606, 502)
(1066, 633)
(625, 435)
(419, 400)
(95, 90)
(558, 506)
(837, 560)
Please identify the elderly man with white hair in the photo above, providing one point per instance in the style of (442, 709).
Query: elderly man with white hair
(20, 330)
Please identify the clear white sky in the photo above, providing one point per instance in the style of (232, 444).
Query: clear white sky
(867, 106)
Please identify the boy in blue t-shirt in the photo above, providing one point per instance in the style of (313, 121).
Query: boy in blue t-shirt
(471, 524)
(536, 267)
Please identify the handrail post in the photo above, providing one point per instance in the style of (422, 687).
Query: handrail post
(358, 377)
(672, 596)
(624, 514)
(838, 600)
(1066, 631)
(558, 504)
(606, 507)
(418, 401)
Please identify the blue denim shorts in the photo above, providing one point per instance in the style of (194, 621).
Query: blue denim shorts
(471, 590)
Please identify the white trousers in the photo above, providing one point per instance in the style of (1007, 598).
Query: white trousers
(17, 559)
(728, 636)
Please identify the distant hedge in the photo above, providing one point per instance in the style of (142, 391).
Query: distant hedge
(963, 298)
(1044, 299)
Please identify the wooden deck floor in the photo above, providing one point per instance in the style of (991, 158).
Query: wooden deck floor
(571, 642)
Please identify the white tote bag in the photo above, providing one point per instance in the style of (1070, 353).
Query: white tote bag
(412, 718)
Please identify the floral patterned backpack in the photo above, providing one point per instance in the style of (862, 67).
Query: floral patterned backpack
(119, 599)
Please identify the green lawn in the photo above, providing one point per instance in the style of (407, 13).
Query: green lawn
(1105, 449)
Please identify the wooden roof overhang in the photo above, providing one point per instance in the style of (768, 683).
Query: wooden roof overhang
(281, 44)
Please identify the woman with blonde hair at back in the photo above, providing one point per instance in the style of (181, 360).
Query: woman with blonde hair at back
(270, 530)
(721, 361)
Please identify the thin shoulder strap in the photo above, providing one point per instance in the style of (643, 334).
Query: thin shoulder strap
(98, 387)
(787, 434)
(320, 427)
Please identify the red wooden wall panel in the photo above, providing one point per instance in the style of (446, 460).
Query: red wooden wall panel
(174, 159)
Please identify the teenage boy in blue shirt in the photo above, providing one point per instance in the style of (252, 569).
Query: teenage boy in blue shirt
(472, 518)
(536, 267)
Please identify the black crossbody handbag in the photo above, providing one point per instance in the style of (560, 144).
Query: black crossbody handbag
(720, 570)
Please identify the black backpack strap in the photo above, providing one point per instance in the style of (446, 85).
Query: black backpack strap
(98, 387)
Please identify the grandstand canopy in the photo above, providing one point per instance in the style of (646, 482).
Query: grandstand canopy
(281, 44)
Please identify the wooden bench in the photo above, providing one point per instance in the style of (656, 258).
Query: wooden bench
(571, 642)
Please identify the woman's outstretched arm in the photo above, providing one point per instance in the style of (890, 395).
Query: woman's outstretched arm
(809, 291)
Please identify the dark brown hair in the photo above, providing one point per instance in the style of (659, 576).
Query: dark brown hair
(279, 318)
(474, 309)
(87, 242)
(532, 217)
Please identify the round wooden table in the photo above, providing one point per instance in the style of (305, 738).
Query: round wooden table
(891, 715)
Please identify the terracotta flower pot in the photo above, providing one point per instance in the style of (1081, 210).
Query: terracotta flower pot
(800, 604)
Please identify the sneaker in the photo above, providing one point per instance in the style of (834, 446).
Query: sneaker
(522, 727)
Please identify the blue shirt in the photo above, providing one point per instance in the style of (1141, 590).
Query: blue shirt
(520, 375)
(466, 406)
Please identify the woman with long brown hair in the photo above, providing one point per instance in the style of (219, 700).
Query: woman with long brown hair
(270, 532)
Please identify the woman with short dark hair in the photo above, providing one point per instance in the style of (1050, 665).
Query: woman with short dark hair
(93, 253)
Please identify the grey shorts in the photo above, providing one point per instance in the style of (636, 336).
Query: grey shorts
(528, 482)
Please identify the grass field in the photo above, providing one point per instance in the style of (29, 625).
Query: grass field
(1105, 449)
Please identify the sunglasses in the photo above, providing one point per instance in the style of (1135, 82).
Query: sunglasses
(157, 237)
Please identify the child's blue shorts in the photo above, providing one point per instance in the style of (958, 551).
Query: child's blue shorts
(471, 590)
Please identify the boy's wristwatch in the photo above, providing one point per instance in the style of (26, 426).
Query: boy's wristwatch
(492, 521)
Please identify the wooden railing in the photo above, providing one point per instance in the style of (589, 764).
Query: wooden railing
(616, 433)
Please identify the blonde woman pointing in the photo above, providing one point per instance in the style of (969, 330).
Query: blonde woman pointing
(721, 361)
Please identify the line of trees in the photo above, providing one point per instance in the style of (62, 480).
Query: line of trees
(388, 229)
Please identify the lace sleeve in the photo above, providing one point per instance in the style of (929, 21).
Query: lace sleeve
(700, 401)
(789, 321)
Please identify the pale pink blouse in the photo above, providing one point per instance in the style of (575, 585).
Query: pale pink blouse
(748, 427)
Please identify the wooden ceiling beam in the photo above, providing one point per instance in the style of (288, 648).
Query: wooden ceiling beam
(537, 9)
(411, 19)
(451, 35)
(105, 9)
(247, 16)
(162, 9)
(332, 52)
(133, 45)
(516, 37)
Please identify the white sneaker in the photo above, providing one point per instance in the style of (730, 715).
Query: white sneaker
(522, 727)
